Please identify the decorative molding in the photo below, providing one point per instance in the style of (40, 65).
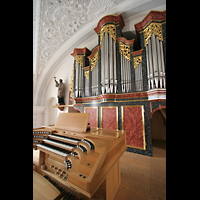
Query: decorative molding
(94, 59)
(124, 50)
(110, 19)
(155, 28)
(124, 47)
(87, 74)
(125, 41)
(79, 59)
(137, 57)
(98, 7)
(136, 53)
(57, 21)
(152, 16)
(137, 60)
(71, 85)
(84, 50)
(37, 18)
(109, 28)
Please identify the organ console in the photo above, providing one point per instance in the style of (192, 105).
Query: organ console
(83, 161)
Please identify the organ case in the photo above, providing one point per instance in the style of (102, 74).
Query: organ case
(125, 71)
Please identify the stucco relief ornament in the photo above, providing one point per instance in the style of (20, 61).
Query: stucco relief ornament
(98, 7)
(61, 19)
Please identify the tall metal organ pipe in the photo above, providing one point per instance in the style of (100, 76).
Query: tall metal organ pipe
(155, 63)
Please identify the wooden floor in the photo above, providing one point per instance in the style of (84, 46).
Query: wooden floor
(142, 177)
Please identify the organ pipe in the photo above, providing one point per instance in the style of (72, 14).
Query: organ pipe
(150, 64)
(163, 65)
(95, 80)
(108, 65)
(111, 63)
(114, 64)
(102, 66)
(109, 31)
(138, 78)
(106, 68)
(148, 73)
(155, 63)
(125, 74)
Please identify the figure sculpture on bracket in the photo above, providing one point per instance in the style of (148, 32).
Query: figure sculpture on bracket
(61, 93)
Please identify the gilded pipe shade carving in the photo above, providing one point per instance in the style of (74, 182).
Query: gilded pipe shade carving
(137, 60)
(87, 74)
(71, 85)
(94, 60)
(124, 50)
(155, 28)
(79, 59)
(111, 29)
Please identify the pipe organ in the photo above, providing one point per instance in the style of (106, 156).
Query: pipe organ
(155, 56)
(123, 78)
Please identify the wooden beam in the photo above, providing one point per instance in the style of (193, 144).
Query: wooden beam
(60, 106)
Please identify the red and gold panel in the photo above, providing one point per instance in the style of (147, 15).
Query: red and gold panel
(93, 119)
(133, 123)
(109, 117)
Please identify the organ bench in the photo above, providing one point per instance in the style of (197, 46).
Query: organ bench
(86, 162)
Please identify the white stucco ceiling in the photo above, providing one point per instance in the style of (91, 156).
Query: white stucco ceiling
(61, 25)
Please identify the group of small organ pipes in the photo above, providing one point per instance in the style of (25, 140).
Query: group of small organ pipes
(114, 66)
(80, 160)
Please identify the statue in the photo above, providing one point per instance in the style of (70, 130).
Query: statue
(61, 91)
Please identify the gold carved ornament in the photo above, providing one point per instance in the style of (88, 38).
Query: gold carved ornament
(124, 50)
(94, 60)
(155, 28)
(87, 74)
(137, 60)
(111, 29)
(71, 85)
(79, 59)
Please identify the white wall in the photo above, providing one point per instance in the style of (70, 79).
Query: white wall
(38, 116)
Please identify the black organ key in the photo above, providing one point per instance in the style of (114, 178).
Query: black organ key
(83, 149)
(73, 145)
(92, 147)
(69, 197)
(64, 137)
(73, 197)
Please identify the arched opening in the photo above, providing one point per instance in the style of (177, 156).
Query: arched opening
(50, 113)
(158, 133)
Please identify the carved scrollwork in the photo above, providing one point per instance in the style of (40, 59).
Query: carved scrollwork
(124, 50)
(79, 59)
(71, 85)
(137, 60)
(94, 60)
(58, 21)
(111, 29)
(87, 74)
(155, 28)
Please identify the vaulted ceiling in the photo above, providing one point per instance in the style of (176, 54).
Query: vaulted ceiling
(59, 25)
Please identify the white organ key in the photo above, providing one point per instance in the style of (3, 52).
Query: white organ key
(64, 139)
(53, 150)
(59, 144)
